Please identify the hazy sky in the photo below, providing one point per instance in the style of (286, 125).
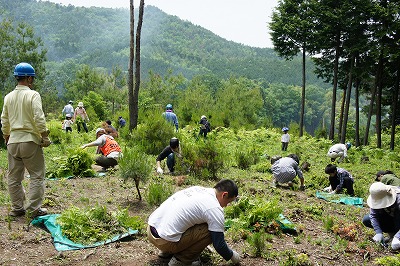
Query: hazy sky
(236, 20)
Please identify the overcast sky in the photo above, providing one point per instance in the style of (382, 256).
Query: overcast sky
(235, 20)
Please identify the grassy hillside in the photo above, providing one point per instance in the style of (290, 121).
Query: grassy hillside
(327, 233)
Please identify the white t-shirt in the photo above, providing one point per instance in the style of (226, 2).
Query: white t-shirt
(285, 137)
(186, 208)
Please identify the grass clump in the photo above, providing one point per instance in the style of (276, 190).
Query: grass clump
(91, 225)
(158, 192)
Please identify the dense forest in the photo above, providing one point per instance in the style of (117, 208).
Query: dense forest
(82, 54)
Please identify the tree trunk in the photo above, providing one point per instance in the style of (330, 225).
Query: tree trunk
(341, 113)
(303, 92)
(348, 97)
(335, 82)
(394, 109)
(379, 106)
(137, 66)
(130, 67)
(371, 105)
(357, 106)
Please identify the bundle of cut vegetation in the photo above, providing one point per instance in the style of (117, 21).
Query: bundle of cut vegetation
(96, 224)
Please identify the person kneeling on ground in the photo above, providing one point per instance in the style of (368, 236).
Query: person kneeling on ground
(191, 219)
(388, 178)
(169, 153)
(384, 216)
(339, 178)
(285, 170)
(108, 148)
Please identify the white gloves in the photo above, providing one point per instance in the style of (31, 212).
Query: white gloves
(328, 189)
(332, 192)
(379, 238)
(395, 243)
(45, 142)
(159, 170)
(235, 257)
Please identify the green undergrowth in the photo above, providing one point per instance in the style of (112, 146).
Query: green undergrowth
(91, 225)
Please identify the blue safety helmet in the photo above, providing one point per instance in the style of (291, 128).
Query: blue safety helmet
(24, 70)
(169, 106)
(285, 129)
(348, 145)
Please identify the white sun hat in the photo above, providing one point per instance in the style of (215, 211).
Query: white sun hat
(381, 195)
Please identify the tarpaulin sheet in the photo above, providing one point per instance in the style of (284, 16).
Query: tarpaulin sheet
(62, 243)
(340, 198)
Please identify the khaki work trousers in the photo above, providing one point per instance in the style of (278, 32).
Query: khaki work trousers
(27, 155)
(189, 247)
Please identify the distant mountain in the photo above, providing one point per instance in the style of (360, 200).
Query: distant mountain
(99, 37)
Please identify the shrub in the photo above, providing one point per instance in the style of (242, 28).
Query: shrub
(204, 158)
(153, 135)
(135, 165)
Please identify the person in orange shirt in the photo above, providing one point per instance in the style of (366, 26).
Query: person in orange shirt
(108, 148)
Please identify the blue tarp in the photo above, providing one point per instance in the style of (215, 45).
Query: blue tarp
(340, 198)
(61, 243)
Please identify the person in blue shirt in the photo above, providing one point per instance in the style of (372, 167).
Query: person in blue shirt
(121, 121)
(170, 116)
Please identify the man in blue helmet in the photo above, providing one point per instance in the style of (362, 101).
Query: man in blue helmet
(25, 134)
(338, 150)
(170, 116)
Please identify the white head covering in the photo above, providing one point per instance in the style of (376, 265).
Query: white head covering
(100, 130)
(381, 195)
(80, 104)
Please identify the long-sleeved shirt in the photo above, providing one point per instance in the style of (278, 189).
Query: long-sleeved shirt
(22, 117)
(171, 117)
(286, 169)
(337, 150)
(391, 212)
(341, 175)
(82, 113)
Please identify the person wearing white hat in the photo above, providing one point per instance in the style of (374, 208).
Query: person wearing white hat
(81, 112)
(384, 216)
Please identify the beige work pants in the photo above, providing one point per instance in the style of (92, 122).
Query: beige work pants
(27, 155)
(189, 247)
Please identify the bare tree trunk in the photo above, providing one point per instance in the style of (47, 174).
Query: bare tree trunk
(137, 66)
(130, 67)
(357, 106)
(348, 97)
(394, 109)
(341, 113)
(371, 105)
(335, 82)
(303, 92)
(379, 106)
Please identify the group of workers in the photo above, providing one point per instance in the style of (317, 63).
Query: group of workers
(191, 219)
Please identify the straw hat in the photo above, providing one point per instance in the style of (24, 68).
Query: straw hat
(381, 196)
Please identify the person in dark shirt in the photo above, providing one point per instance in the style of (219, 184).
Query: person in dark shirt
(339, 179)
(169, 153)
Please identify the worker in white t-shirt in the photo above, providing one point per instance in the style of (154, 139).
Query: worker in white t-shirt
(191, 219)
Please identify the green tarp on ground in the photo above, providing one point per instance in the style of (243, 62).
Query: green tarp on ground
(340, 198)
(61, 243)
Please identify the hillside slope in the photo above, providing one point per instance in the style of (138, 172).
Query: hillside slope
(99, 37)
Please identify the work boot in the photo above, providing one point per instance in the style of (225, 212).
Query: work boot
(165, 255)
(175, 262)
(38, 212)
(17, 213)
